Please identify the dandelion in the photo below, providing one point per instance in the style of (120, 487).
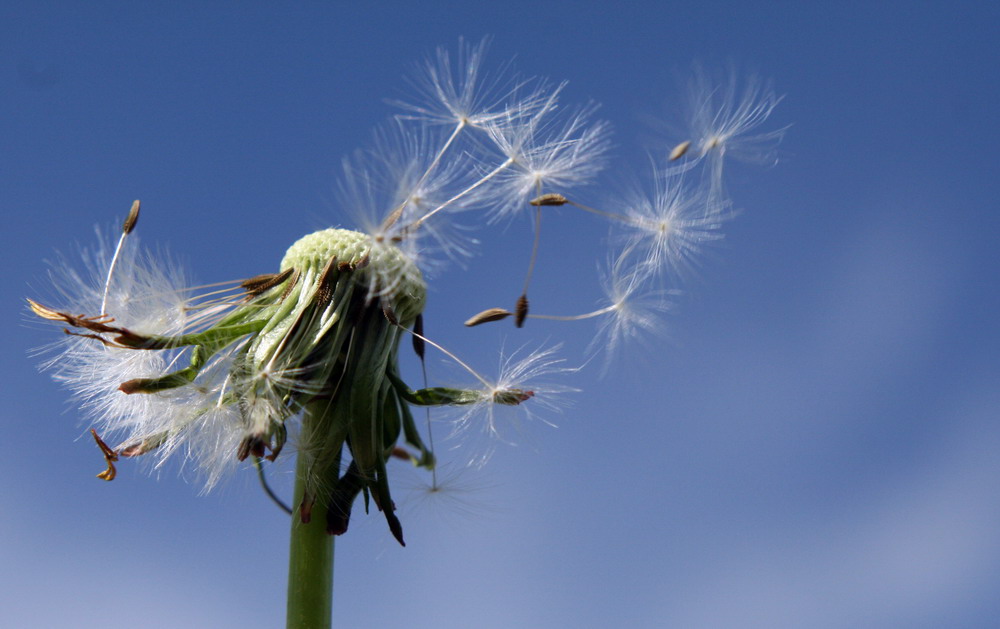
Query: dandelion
(312, 335)
(305, 357)
(320, 337)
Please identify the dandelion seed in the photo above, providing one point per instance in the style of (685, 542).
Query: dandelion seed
(521, 310)
(547, 151)
(458, 492)
(679, 150)
(487, 316)
(630, 311)
(127, 227)
(397, 183)
(552, 198)
(634, 312)
(723, 120)
(461, 94)
(495, 413)
(670, 226)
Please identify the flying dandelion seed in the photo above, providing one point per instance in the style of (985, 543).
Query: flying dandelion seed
(724, 116)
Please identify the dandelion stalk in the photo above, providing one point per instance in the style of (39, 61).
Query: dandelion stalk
(310, 556)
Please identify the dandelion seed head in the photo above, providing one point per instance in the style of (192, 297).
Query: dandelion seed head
(382, 266)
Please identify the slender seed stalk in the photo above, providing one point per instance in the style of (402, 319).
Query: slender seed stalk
(447, 353)
(310, 557)
(490, 175)
(580, 317)
(127, 227)
(437, 158)
(615, 216)
(418, 328)
(534, 250)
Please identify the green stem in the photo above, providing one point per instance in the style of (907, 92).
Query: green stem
(310, 561)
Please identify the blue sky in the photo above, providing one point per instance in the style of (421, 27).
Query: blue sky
(812, 446)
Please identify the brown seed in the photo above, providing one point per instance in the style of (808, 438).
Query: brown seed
(389, 314)
(291, 284)
(487, 316)
(551, 198)
(254, 445)
(327, 279)
(251, 283)
(418, 334)
(260, 284)
(146, 445)
(134, 385)
(521, 310)
(680, 150)
(135, 449)
(512, 397)
(401, 453)
(45, 312)
(97, 324)
(132, 219)
(393, 217)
